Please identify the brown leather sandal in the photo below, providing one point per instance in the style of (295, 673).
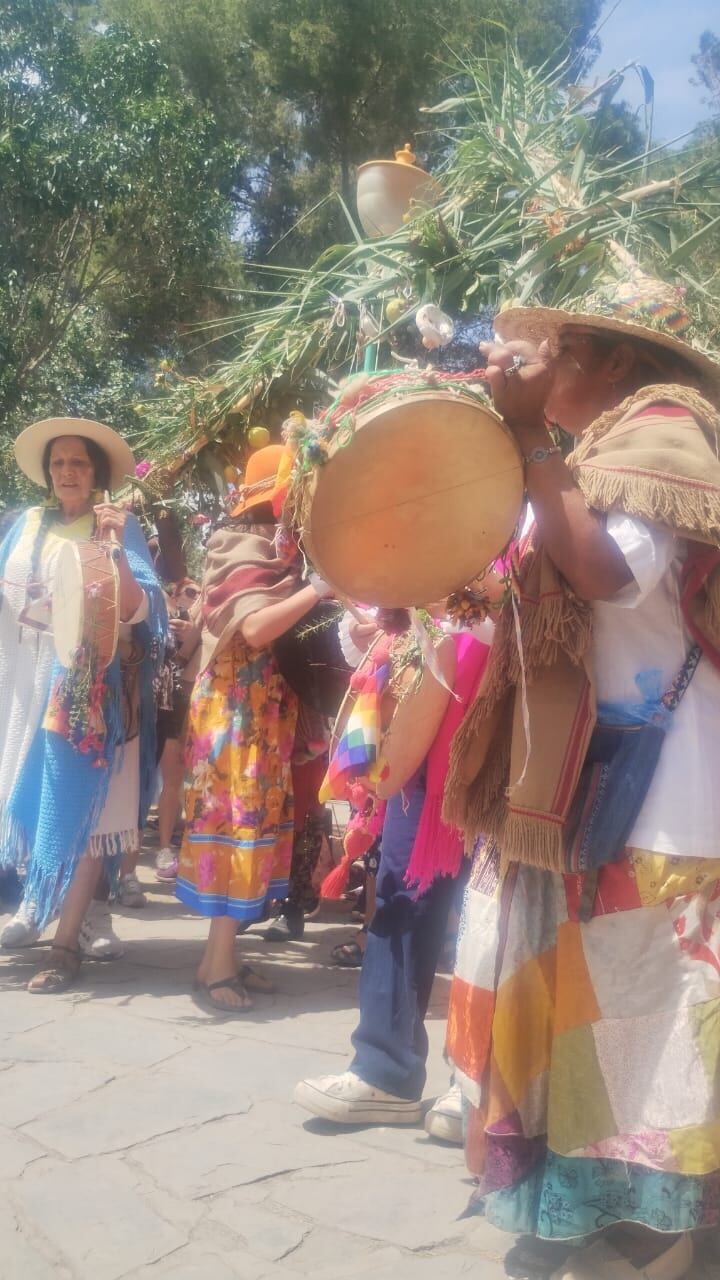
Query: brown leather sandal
(60, 974)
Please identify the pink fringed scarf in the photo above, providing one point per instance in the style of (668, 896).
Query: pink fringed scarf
(438, 848)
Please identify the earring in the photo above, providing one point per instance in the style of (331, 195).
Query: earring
(51, 502)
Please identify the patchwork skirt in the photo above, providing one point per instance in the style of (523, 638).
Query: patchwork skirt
(239, 800)
(588, 1053)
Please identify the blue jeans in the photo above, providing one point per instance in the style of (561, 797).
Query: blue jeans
(401, 956)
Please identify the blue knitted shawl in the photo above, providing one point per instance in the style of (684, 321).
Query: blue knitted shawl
(59, 794)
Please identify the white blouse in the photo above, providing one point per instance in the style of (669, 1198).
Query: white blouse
(640, 644)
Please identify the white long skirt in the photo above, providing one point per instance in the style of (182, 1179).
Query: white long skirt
(116, 830)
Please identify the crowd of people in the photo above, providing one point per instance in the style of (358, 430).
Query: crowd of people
(544, 756)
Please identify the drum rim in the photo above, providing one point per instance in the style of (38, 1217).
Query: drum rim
(395, 399)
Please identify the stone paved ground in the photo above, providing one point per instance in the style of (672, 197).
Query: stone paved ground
(140, 1139)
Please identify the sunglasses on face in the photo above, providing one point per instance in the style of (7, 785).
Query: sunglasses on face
(192, 593)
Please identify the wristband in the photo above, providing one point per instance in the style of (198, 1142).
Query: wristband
(541, 455)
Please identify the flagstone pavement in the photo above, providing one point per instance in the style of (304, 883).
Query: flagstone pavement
(141, 1140)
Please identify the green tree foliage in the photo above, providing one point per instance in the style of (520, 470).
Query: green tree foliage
(707, 65)
(706, 145)
(313, 87)
(114, 207)
(93, 372)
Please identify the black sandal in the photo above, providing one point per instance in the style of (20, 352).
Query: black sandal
(205, 998)
(57, 977)
(348, 955)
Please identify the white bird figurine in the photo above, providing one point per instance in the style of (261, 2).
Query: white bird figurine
(436, 328)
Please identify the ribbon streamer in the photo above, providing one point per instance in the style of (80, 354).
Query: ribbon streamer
(427, 649)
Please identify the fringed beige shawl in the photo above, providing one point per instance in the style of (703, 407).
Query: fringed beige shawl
(656, 464)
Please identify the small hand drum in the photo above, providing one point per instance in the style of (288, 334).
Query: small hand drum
(86, 603)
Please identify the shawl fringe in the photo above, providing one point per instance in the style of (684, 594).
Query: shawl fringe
(480, 807)
(113, 844)
(690, 513)
(44, 890)
(526, 839)
(14, 840)
(444, 852)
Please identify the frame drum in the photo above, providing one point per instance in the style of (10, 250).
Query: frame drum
(422, 498)
(85, 603)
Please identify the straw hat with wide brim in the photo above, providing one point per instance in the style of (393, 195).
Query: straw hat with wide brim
(30, 446)
(640, 308)
(264, 477)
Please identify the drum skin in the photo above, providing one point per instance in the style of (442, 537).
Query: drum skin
(421, 499)
(85, 602)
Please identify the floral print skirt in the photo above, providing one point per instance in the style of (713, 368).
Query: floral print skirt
(588, 1051)
(239, 802)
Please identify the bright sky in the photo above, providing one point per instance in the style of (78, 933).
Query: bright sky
(662, 34)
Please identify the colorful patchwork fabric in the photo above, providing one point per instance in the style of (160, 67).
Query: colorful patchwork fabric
(591, 1045)
(238, 839)
(565, 1199)
(358, 752)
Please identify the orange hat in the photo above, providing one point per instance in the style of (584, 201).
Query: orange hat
(262, 482)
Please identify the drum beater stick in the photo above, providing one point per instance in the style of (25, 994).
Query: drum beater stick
(114, 544)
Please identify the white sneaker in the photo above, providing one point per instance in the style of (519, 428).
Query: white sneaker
(130, 892)
(347, 1099)
(444, 1119)
(21, 930)
(166, 863)
(97, 939)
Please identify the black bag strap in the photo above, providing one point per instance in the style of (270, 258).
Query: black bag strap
(671, 701)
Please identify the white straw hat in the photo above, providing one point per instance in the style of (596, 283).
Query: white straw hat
(30, 446)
